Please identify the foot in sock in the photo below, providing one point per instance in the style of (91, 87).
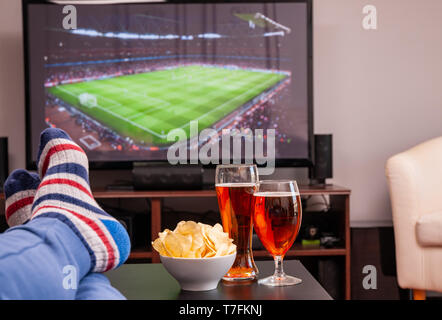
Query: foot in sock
(64, 194)
(20, 188)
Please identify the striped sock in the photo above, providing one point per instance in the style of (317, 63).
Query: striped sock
(20, 188)
(64, 194)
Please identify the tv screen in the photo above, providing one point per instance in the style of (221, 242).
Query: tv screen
(118, 78)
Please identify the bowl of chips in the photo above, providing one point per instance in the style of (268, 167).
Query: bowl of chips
(197, 255)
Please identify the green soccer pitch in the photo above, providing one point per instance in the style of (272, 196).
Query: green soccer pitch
(146, 106)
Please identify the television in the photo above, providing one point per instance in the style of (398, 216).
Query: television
(120, 76)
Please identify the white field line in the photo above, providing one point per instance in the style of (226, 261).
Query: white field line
(223, 104)
(218, 81)
(207, 74)
(159, 103)
(214, 81)
(160, 82)
(131, 93)
(120, 117)
(115, 103)
(91, 146)
(146, 112)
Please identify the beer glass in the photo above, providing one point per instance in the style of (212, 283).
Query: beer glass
(277, 218)
(235, 186)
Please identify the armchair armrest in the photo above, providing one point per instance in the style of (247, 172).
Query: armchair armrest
(429, 230)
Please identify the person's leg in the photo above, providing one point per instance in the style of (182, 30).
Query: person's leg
(20, 188)
(95, 286)
(42, 259)
(31, 252)
(68, 236)
(64, 194)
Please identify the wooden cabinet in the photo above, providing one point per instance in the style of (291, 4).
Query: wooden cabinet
(339, 202)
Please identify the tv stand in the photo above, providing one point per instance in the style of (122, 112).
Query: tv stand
(120, 187)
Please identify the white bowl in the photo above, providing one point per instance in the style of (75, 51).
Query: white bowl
(198, 274)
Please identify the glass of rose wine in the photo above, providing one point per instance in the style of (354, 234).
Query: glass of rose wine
(235, 186)
(277, 218)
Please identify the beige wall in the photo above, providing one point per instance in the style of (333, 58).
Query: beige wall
(12, 115)
(378, 92)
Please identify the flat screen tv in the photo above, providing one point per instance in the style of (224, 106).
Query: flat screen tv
(119, 76)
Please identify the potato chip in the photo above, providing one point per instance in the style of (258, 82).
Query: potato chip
(218, 227)
(210, 254)
(222, 250)
(173, 245)
(187, 227)
(185, 241)
(194, 240)
(198, 245)
(232, 249)
(163, 234)
(158, 245)
(205, 229)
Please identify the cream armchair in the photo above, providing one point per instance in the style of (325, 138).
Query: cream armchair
(415, 182)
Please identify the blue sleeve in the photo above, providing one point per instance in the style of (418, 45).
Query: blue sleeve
(96, 286)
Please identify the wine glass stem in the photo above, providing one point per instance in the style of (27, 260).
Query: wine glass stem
(279, 271)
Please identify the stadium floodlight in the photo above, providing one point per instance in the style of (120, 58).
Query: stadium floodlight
(272, 34)
(65, 2)
(260, 20)
(169, 36)
(126, 35)
(274, 23)
(87, 32)
(209, 36)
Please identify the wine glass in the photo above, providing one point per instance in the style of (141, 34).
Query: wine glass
(235, 186)
(277, 218)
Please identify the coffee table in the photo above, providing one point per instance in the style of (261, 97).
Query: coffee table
(151, 281)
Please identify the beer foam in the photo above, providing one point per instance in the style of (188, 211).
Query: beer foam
(276, 194)
(236, 185)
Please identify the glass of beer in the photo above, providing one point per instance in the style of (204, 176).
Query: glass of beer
(277, 218)
(235, 186)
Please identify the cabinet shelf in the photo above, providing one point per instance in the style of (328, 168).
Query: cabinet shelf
(296, 251)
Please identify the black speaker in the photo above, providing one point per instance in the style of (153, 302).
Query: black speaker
(4, 167)
(323, 167)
